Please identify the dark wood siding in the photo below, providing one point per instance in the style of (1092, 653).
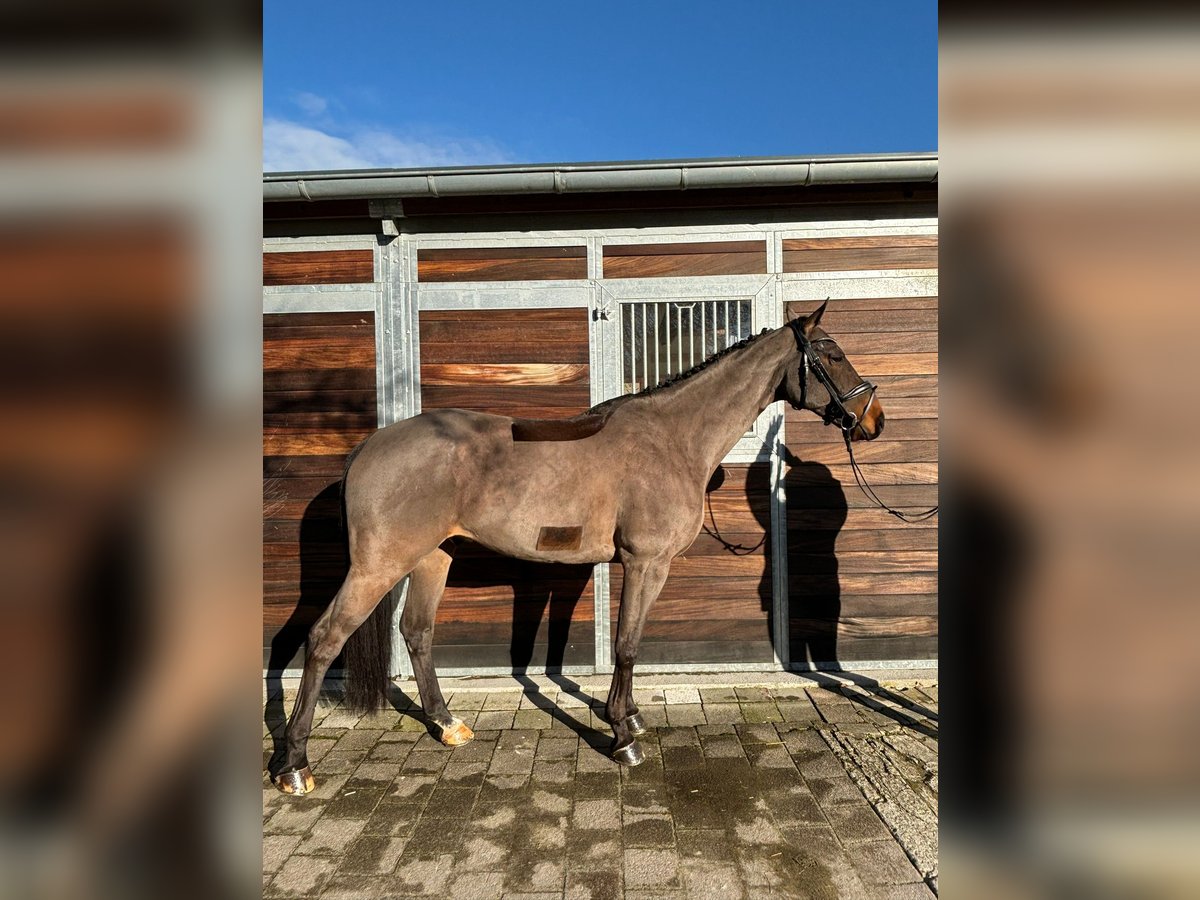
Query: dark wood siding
(854, 253)
(862, 584)
(469, 361)
(318, 404)
(699, 258)
(319, 267)
(716, 605)
(502, 264)
(530, 362)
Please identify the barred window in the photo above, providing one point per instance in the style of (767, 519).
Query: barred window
(666, 337)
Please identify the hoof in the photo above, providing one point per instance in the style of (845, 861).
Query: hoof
(297, 781)
(456, 734)
(636, 724)
(629, 755)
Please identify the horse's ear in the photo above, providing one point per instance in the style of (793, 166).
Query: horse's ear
(811, 321)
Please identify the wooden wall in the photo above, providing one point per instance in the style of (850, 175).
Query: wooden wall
(695, 258)
(862, 584)
(530, 363)
(319, 402)
(716, 604)
(502, 264)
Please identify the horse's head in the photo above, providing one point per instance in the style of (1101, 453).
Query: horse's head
(823, 381)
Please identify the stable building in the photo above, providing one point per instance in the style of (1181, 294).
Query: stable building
(541, 290)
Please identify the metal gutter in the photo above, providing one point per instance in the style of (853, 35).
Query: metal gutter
(653, 175)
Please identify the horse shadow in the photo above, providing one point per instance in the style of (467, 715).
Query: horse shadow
(545, 634)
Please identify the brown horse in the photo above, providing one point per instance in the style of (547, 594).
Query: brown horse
(625, 479)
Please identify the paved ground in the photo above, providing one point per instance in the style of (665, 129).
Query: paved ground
(747, 791)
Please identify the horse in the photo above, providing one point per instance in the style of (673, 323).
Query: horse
(626, 479)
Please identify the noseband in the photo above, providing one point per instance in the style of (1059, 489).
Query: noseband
(836, 411)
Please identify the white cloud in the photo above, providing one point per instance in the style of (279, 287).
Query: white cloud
(310, 104)
(294, 147)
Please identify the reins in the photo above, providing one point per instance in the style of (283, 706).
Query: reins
(861, 480)
(735, 549)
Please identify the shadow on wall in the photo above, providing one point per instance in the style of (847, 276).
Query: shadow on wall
(813, 585)
(547, 593)
(324, 560)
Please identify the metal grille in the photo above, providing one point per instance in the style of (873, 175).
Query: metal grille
(663, 338)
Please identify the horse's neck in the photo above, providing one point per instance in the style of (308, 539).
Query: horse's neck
(710, 411)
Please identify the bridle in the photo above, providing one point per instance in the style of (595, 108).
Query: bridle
(838, 413)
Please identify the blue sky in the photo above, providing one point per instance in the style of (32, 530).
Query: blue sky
(353, 84)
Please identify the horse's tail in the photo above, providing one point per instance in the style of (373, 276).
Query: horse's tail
(368, 652)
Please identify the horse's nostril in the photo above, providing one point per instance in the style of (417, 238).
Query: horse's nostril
(879, 424)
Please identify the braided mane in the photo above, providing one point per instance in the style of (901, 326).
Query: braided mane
(682, 376)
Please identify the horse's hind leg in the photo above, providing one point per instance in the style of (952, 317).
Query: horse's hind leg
(358, 596)
(425, 587)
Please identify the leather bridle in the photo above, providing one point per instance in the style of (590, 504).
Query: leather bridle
(838, 413)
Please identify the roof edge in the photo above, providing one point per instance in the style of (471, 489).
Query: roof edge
(560, 178)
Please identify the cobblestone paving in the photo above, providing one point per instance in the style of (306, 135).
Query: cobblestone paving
(745, 792)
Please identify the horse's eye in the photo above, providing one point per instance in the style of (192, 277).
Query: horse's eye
(837, 356)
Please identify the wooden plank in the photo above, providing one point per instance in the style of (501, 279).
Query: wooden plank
(332, 352)
(431, 254)
(498, 654)
(865, 518)
(876, 473)
(707, 544)
(319, 267)
(503, 373)
(686, 265)
(273, 321)
(908, 407)
(890, 562)
(881, 450)
(463, 270)
(539, 316)
(858, 253)
(864, 242)
(310, 379)
(287, 466)
(834, 496)
(851, 305)
(695, 248)
(709, 630)
(529, 330)
(856, 649)
(320, 420)
(570, 397)
(672, 652)
(870, 626)
(846, 542)
(472, 603)
(897, 386)
(363, 331)
(505, 352)
(839, 320)
(858, 344)
(812, 584)
(311, 401)
(873, 605)
(804, 428)
(286, 442)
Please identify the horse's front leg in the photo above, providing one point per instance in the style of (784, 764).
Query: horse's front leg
(644, 579)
